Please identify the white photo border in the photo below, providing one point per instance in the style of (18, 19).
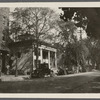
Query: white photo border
(51, 95)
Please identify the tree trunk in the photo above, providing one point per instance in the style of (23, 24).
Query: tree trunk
(37, 42)
(83, 64)
(31, 69)
(0, 65)
(65, 71)
(98, 66)
(16, 72)
(37, 54)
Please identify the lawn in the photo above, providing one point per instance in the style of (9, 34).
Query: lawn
(64, 84)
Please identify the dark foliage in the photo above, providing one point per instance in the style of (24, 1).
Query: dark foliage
(41, 71)
(87, 18)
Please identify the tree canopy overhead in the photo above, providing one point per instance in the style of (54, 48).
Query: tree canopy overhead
(36, 22)
(33, 23)
(87, 18)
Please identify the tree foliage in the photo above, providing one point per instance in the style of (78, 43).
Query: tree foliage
(88, 18)
(37, 22)
(33, 23)
(75, 50)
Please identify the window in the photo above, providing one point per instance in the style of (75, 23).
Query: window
(45, 54)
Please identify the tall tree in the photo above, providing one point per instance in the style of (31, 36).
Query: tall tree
(37, 22)
(68, 41)
(89, 19)
(75, 50)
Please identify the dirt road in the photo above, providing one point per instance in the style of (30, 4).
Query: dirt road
(77, 83)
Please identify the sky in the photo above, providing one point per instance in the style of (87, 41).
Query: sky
(56, 9)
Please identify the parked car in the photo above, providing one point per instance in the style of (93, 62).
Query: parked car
(41, 71)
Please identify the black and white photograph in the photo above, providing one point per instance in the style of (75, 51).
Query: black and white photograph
(53, 49)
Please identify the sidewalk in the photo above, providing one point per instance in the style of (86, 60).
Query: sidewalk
(13, 78)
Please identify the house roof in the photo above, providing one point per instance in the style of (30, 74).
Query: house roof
(27, 43)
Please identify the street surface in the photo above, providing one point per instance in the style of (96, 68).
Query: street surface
(88, 82)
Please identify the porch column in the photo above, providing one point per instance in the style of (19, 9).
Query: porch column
(49, 59)
(41, 53)
(55, 59)
(33, 59)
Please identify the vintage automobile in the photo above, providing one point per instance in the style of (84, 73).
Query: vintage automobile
(41, 71)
